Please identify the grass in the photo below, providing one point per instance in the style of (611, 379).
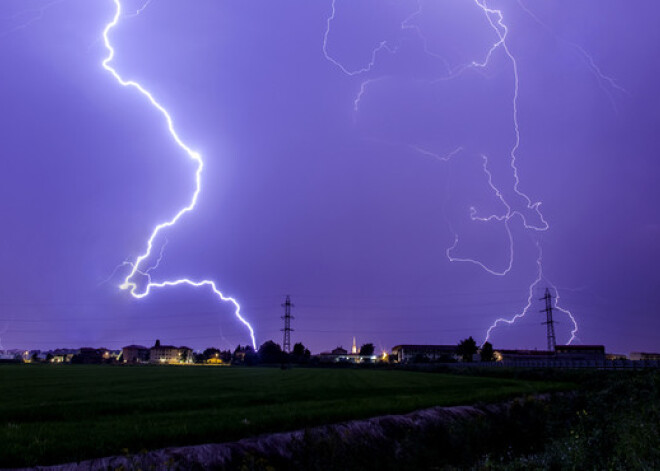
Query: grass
(56, 413)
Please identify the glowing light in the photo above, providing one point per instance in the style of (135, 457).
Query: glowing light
(129, 283)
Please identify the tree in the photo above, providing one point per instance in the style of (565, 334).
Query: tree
(157, 343)
(298, 350)
(300, 354)
(184, 355)
(270, 352)
(211, 353)
(487, 353)
(367, 349)
(198, 358)
(466, 348)
(251, 358)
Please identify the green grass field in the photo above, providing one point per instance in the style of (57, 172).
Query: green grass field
(57, 413)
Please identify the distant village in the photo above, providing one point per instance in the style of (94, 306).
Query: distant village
(464, 353)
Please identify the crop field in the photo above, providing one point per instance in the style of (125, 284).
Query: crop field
(58, 413)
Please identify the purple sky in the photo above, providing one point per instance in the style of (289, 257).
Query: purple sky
(338, 175)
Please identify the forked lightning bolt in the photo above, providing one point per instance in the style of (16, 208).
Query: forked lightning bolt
(495, 19)
(129, 282)
(530, 300)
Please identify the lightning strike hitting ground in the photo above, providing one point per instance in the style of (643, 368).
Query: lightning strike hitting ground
(129, 282)
(530, 301)
(495, 19)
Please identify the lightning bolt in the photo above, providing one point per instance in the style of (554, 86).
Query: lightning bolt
(504, 218)
(128, 263)
(381, 46)
(129, 282)
(495, 19)
(530, 299)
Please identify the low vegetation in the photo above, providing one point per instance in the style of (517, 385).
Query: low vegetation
(58, 413)
(612, 422)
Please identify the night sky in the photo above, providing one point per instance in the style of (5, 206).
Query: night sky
(344, 149)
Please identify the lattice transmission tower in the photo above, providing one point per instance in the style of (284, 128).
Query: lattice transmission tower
(548, 320)
(286, 345)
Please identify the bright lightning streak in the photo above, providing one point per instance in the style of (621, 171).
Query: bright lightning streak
(502, 33)
(128, 283)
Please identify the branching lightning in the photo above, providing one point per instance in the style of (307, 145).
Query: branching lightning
(381, 46)
(129, 282)
(530, 301)
(504, 218)
(495, 19)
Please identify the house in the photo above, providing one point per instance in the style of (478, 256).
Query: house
(523, 355)
(644, 356)
(580, 352)
(9, 357)
(169, 354)
(135, 354)
(88, 355)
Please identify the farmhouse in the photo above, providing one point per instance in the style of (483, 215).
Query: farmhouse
(170, 354)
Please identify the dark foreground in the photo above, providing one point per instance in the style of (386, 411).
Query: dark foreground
(59, 413)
